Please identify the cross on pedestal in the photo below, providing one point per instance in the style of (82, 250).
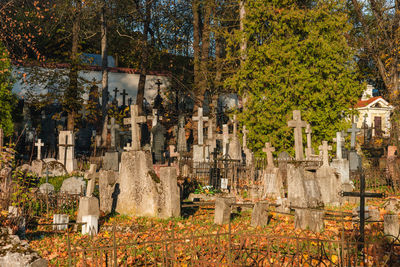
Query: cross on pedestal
(339, 139)
(134, 121)
(130, 101)
(234, 123)
(66, 146)
(309, 141)
(155, 117)
(245, 132)
(200, 120)
(270, 159)
(115, 93)
(39, 145)
(353, 130)
(362, 195)
(298, 124)
(325, 154)
(124, 94)
(113, 127)
(158, 83)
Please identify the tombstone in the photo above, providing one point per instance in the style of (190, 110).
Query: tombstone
(309, 149)
(312, 220)
(354, 158)
(247, 152)
(91, 224)
(282, 205)
(60, 222)
(73, 185)
(235, 150)
(181, 141)
(391, 225)
(66, 152)
(211, 137)
(39, 145)
(259, 215)
(111, 161)
(272, 176)
(200, 153)
(392, 205)
(171, 202)
(200, 120)
(46, 188)
(328, 181)
(38, 167)
(134, 121)
(225, 139)
(88, 206)
(222, 214)
(298, 124)
(158, 146)
(114, 128)
(340, 164)
(54, 168)
(107, 185)
(141, 191)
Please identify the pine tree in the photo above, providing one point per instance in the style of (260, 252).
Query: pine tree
(297, 58)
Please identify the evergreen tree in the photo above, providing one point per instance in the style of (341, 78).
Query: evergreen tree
(7, 100)
(297, 58)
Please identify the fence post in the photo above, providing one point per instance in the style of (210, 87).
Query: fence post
(114, 246)
(69, 248)
(229, 245)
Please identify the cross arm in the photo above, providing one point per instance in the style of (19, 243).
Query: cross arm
(357, 194)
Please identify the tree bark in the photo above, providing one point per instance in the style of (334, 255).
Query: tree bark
(205, 49)
(243, 43)
(196, 43)
(104, 63)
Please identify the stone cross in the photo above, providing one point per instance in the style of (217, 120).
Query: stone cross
(353, 130)
(225, 139)
(172, 153)
(309, 141)
(235, 123)
(268, 150)
(124, 94)
(210, 128)
(128, 147)
(325, 154)
(155, 117)
(200, 118)
(115, 93)
(245, 132)
(92, 180)
(113, 127)
(298, 124)
(39, 145)
(339, 139)
(134, 121)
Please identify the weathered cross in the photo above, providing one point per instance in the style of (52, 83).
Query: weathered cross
(225, 139)
(210, 129)
(158, 83)
(353, 130)
(234, 123)
(113, 127)
(128, 147)
(129, 101)
(270, 158)
(245, 132)
(39, 145)
(200, 120)
(124, 94)
(362, 195)
(134, 121)
(298, 124)
(115, 93)
(309, 142)
(325, 153)
(155, 117)
(339, 139)
(66, 145)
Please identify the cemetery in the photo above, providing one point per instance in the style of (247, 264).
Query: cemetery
(252, 163)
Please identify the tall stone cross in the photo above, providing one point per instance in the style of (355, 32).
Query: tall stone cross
(124, 94)
(134, 121)
(353, 130)
(245, 132)
(268, 150)
(309, 141)
(39, 145)
(325, 154)
(225, 139)
(298, 124)
(339, 139)
(158, 83)
(234, 123)
(200, 120)
(115, 93)
(113, 127)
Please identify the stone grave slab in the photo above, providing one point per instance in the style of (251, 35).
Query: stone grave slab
(111, 161)
(107, 186)
(73, 185)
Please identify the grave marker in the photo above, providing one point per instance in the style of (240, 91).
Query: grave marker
(325, 154)
(298, 124)
(39, 145)
(134, 121)
(270, 158)
(200, 120)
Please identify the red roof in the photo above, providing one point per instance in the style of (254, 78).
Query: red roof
(364, 103)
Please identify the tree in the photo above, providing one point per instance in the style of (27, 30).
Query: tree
(297, 58)
(7, 100)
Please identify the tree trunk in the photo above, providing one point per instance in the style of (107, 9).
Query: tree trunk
(243, 43)
(196, 43)
(205, 49)
(104, 63)
(145, 58)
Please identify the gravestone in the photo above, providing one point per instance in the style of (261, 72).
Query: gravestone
(235, 150)
(134, 121)
(114, 128)
(328, 181)
(91, 224)
(39, 145)
(312, 220)
(259, 215)
(73, 185)
(200, 126)
(88, 206)
(248, 153)
(38, 167)
(298, 124)
(181, 142)
(340, 164)
(391, 225)
(60, 222)
(158, 146)
(54, 168)
(171, 201)
(392, 205)
(46, 188)
(309, 149)
(111, 161)
(222, 214)
(354, 158)
(66, 151)
(107, 185)
(211, 137)
(272, 176)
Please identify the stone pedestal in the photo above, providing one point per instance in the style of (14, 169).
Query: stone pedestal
(354, 161)
(223, 210)
(200, 153)
(259, 215)
(88, 206)
(235, 150)
(92, 225)
(273, 183)
(171, 201)
(342, 167)
(391, 225)
(108, 190)
(111, 161)
(329, 184)
(70, 161)
(312, 220)
(60, 218)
